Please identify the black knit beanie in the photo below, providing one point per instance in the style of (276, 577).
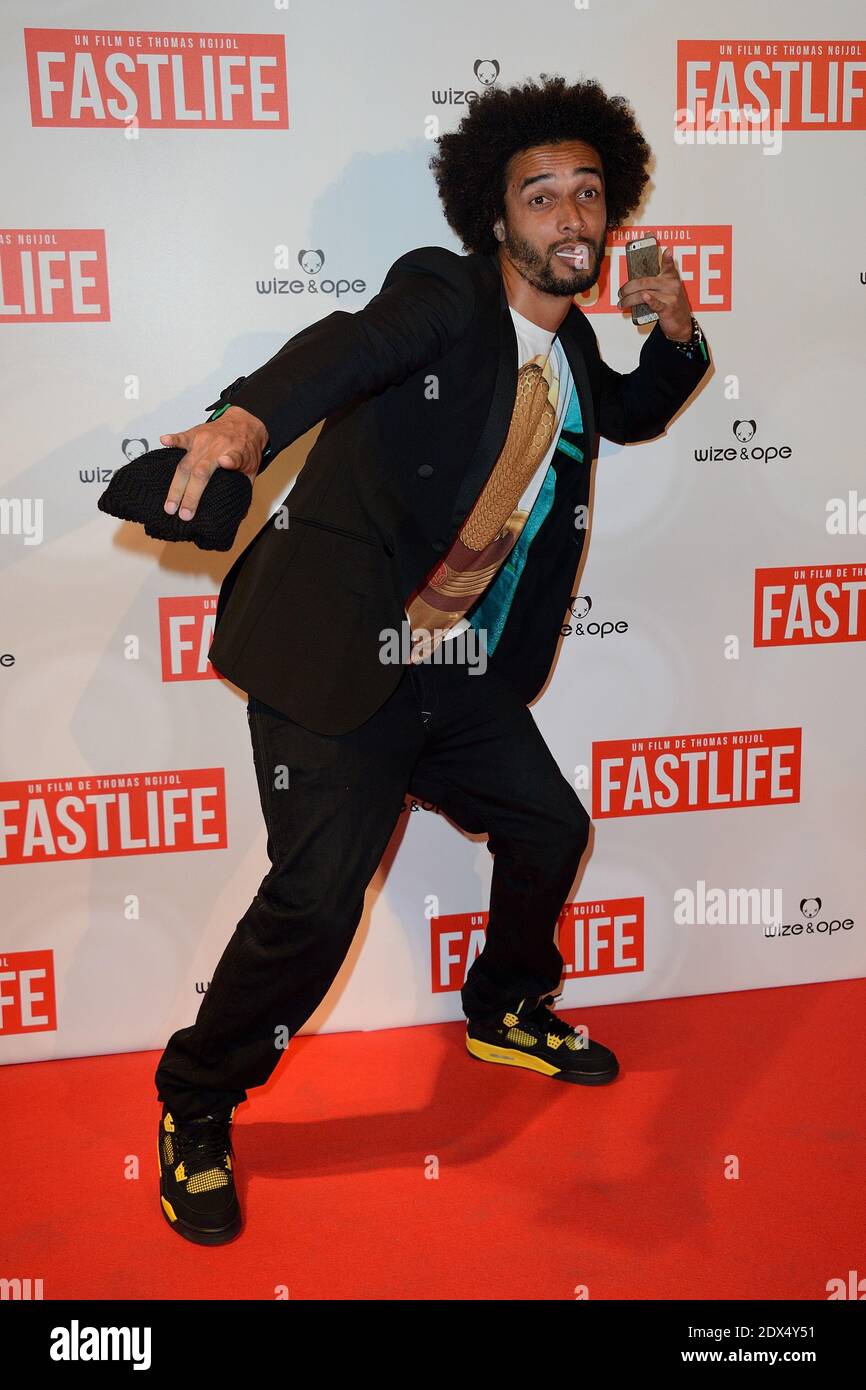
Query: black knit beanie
(137, 492)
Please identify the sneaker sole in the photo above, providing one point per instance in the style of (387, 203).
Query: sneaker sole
(510, 1057)
(199, 1237)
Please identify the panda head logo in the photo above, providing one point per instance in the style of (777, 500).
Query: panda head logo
(134, 448)
(744, 430)
(810, 907)
(311, 262)
(486, 71)
(581, 605)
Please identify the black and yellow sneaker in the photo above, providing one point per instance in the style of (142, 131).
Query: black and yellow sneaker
(196, 1181)
(529, 1034)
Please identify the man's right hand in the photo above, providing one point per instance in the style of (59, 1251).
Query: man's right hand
(236, 440)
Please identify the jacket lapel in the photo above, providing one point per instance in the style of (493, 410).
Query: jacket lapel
(571, 347)
(495, 429)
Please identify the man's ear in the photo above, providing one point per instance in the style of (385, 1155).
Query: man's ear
(499, 230)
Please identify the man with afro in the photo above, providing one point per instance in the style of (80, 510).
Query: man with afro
(396, 616)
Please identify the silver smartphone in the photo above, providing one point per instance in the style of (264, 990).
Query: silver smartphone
(642, 258)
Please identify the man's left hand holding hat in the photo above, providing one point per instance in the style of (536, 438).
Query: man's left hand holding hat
(233, 439)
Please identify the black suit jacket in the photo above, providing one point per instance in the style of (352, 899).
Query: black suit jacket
(416, 391)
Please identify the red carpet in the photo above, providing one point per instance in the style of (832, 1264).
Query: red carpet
(542, 1187)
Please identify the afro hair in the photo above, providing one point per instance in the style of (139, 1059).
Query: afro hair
(471, 162)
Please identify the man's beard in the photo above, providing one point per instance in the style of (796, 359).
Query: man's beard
(535, 265)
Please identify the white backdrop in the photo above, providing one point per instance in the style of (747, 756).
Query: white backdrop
(163, 226)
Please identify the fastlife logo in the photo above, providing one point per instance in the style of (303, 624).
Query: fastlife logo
(76, 1343)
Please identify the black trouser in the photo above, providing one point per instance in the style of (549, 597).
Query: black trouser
(462, 740)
